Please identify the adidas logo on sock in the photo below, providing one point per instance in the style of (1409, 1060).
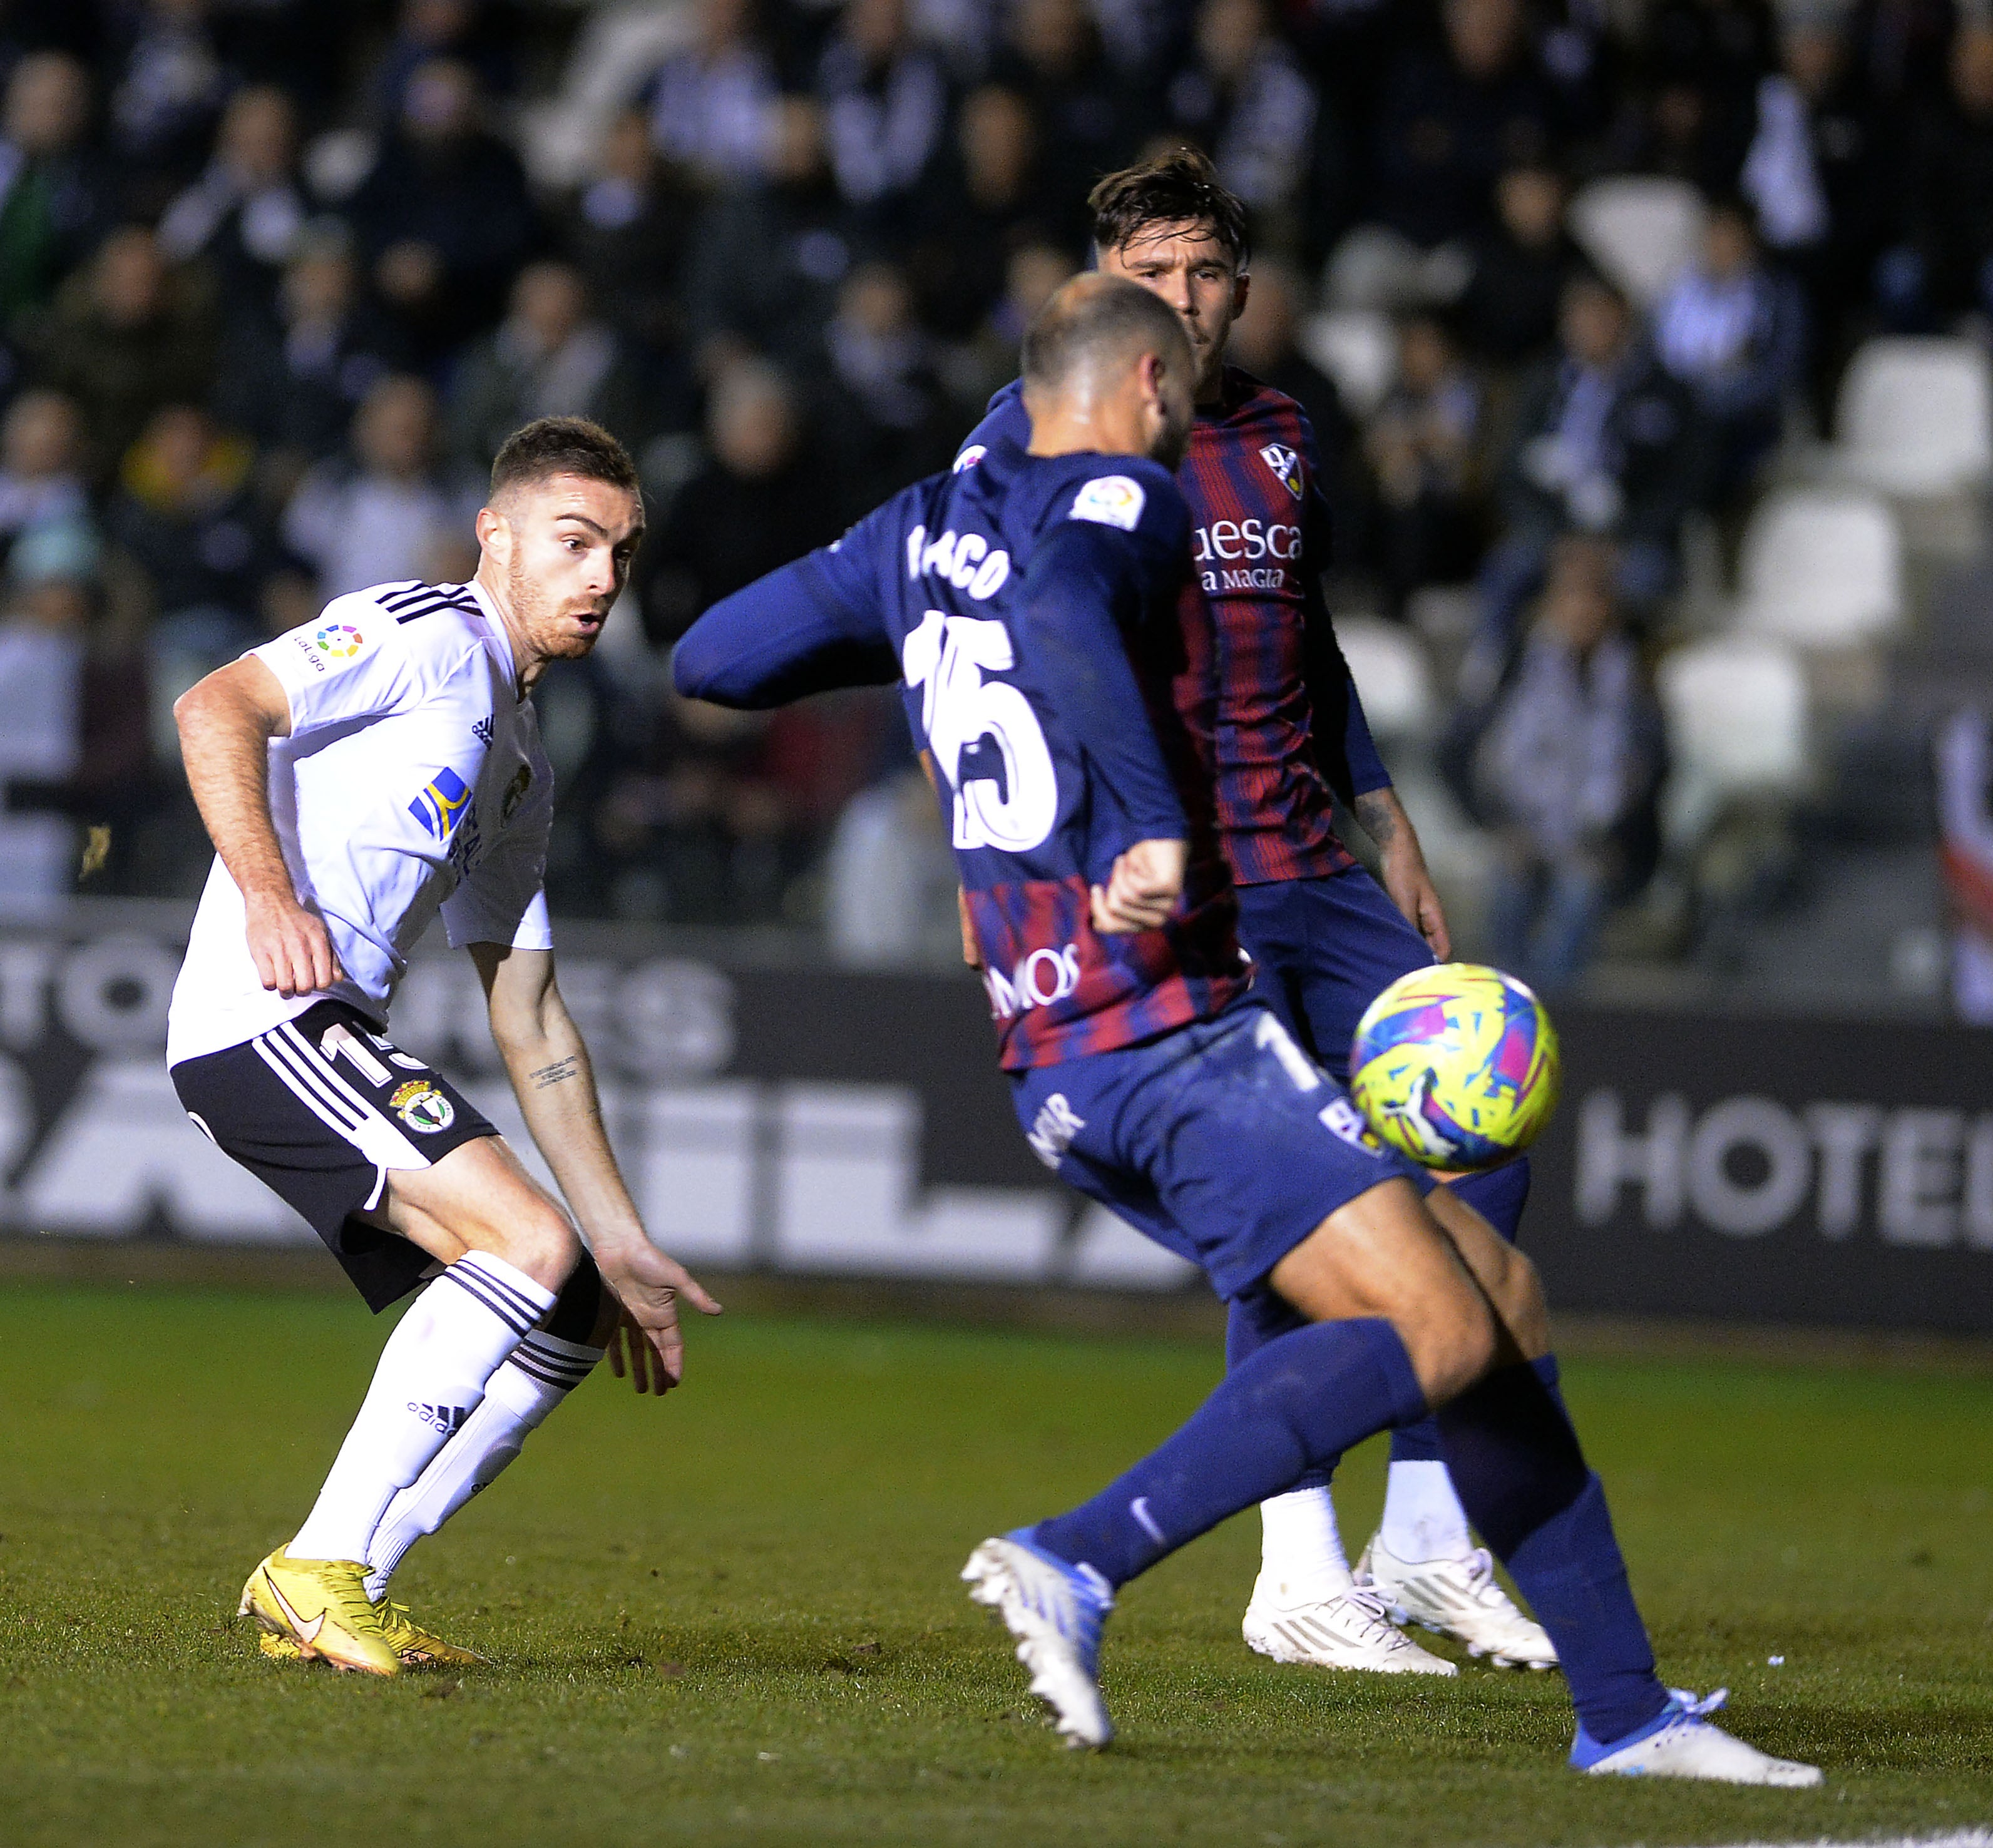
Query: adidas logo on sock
(445, 1419)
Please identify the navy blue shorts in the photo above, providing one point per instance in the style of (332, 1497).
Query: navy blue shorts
(1323, 950)
(1222, 1141)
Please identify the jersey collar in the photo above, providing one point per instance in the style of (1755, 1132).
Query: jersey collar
(496, 636)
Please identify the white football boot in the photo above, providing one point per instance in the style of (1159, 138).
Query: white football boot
(1350, 1630)
(1681, 1742)
(1459, 1598)
(1055, 1610)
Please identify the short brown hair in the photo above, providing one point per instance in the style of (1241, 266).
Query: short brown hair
(562, 446)
(1178, 187)
(1093, 316)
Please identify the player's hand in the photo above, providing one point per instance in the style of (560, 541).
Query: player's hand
(1412, 891)
(1143, 889)
(290, 946)
(649, 1285)
(972, 950)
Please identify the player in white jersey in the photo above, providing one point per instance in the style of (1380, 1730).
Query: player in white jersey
(359, 776)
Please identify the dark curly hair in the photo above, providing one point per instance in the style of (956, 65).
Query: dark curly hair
(562, 446)
(1174, 188)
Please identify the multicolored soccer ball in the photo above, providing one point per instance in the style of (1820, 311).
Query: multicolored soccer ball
(1456, 1066)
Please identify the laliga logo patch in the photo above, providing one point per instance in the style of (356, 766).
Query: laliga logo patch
(1285, 464)
(423, 1107)
(341, 640)
(968, 458)
(1111, 500)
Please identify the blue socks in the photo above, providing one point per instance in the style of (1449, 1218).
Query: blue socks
(1517, 1468)
(1303, 1399)
(1498, 1195)
(1250, 1323)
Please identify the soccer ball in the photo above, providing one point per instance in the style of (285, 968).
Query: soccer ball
(1456, 1066)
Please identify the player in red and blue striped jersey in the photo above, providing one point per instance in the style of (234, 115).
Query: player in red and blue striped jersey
(1289, 736)
(1027, 604)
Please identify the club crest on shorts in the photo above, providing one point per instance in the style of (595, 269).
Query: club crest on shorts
(423, 1107)
(1285, 464)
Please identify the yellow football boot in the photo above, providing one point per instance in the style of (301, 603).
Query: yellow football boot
(414, 1645)
(320, 1606)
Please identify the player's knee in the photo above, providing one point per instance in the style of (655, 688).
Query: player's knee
(542, 1244)
(1452, 1344)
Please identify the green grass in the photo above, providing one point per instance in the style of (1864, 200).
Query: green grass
(733, 1617)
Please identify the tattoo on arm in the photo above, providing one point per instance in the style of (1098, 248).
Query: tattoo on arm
(1378, 813)
(557, 1073)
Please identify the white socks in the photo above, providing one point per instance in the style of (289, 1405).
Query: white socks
(542, 1370)
(1302, 1560)
(432, 1375)
(1423, 1517)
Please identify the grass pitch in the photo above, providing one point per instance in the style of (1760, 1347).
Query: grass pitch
(733, 1617)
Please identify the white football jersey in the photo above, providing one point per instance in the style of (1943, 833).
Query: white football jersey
(412, 781)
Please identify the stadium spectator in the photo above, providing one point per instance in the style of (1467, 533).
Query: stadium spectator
(767, 261)
(185, 512)
(1733, 330)
(1450, 120)
(549, 357)
(471, 32)
(1423, 441)
(758, 502)
(1241, 95)
(125, 335)
(1945, 265)
(443, 215)
(1703, 61)
(167, 89)
(1517, 268)
(988, 360)
(246, 212)
(977, 209)
(42, 486)
(882, 402)
(388, 511)
(55, 193)
(628, 228)
(295, 387)
(1604, 442)
(709, 102)
(885, 101)
(1087, 119)
(1567, 770)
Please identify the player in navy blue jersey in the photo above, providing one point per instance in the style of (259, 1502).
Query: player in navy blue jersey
(1026, 604)
(1289, 736)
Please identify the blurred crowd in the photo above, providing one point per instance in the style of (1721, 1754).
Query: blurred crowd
(277, 276)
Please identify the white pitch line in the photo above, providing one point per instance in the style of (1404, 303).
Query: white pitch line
(1961, 1838)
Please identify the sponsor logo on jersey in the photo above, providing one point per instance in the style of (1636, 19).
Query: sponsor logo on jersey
(968, 458)
(1246, 541)
(339, 641)
(1053, 1129)
(1039, 979)
(1112, 500)
(423, 1107)
(1285, 464)
(442, 803)
(515, 793)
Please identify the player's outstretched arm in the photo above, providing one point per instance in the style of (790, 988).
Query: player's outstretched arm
(226, 723)
(1402, 861)
(549, 1065)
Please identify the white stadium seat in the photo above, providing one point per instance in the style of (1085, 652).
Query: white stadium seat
(1359, 349)
(1642, 232)
(1392, 675)
(1736, 709)
(1916, 415)
(1821, 568)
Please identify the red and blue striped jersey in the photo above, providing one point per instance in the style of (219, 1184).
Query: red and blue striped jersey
(1030, 606)
(1288, 717)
